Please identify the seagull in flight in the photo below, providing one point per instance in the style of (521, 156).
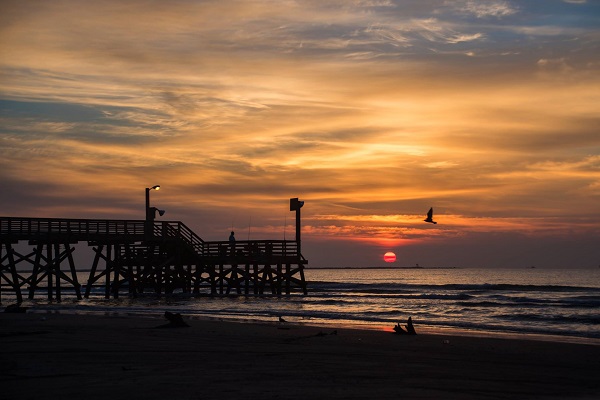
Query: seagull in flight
(430, 216)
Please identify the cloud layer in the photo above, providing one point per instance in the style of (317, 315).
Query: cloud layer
(370, 111)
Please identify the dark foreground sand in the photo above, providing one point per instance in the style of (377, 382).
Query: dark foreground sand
(51, 356)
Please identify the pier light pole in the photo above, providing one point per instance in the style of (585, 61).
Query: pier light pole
(296, 205)
(150, 211)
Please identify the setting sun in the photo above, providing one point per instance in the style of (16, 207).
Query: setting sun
(389, 257)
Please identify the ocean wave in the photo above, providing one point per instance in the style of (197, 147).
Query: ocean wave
(333, 299)
(379, 298)
(485, 287)
(551, 318)
(558, 330)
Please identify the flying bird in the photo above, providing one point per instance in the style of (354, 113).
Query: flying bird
(430, 216)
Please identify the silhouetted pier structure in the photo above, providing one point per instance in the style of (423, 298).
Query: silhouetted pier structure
(137, 256)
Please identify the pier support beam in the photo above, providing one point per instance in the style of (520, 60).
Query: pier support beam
(49, 256)
(9, 278)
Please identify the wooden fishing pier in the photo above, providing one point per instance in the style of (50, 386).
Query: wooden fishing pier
(139, 256)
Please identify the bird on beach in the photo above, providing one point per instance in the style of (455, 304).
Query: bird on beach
(281, 319)
(430, 216)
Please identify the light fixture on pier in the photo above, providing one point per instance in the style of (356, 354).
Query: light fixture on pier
(295, 204)
(154, 210)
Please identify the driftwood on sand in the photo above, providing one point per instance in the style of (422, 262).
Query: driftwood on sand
(175, 321)
(410, 329)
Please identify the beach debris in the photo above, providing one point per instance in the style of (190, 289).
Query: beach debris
(15, 309)
(280, 321)
(410, 329)
(430, 216)
(175, 321)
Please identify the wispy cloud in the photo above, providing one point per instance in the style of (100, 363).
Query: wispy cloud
(485, 9)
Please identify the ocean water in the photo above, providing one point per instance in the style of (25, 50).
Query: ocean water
(541, 302)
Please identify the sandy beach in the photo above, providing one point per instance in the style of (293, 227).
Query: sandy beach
(57, 356)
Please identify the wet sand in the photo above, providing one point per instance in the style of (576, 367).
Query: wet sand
(56, 356)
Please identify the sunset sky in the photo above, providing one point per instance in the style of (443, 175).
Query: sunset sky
(371, 111)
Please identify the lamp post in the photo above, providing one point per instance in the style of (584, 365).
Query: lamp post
(149, 211)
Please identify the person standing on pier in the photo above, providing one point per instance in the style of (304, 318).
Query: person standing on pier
(232, 242)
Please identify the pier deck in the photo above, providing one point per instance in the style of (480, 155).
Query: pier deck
(136, 256)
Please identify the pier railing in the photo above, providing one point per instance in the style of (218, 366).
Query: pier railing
(12, 228)
(78, 229)
(178, 230)
(254, 248)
